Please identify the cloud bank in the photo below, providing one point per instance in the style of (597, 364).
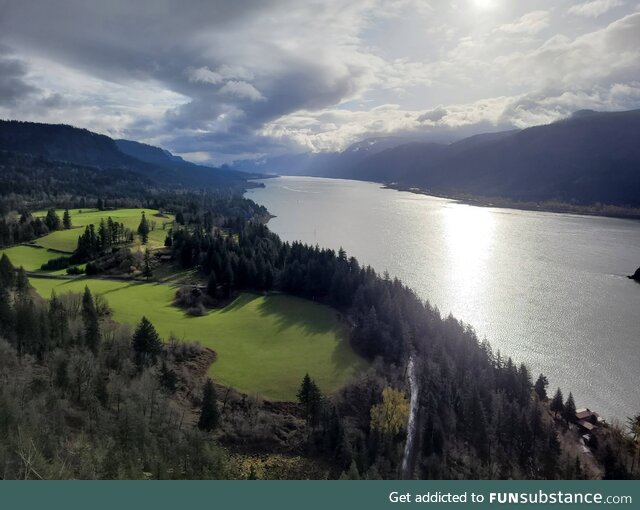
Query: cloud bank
(218, 81)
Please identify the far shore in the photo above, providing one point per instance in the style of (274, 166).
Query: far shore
(605, 210)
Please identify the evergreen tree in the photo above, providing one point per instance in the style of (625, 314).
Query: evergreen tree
(143, 229)
(7, 272)
(22, 281)
(209, 411)
(557, 404)
(569, 411)
(310, 397)
(58, 325)
(168, 378)
(90, 319)
(541, 387)
(146, 343)
(26, 325)
(66, 219)
(147, 272)
(52, 220)
(6, 312)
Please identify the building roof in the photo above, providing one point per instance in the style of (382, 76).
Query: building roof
(586, 425)
(583, 415)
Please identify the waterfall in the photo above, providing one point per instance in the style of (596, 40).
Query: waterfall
(411, 424)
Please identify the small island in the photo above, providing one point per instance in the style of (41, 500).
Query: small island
(636, 275)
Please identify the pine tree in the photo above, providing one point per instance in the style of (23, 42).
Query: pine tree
(146, 343)
(209, 412)
(90, 319)
(7, 272)
(557, 404)
(58, 326)
(22, 281)
(143, 229)
(569, 408)
(6, 312)
(541, 387)
(310, 397)
(147, 272)
(52, 220)
(66, 219)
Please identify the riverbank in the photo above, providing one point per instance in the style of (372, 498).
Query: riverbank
(610, 211)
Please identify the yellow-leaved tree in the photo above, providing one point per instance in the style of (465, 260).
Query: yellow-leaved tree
(390, 416)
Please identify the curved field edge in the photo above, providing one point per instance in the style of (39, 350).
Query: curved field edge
(265, 344)
(67, 240)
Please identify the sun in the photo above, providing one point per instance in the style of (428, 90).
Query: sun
(484, 4)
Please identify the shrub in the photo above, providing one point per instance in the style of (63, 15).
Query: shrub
(55, 264)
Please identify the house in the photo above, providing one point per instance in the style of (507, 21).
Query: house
(586, 414)
(587, 426)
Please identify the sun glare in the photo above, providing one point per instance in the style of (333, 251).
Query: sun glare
(484, 4)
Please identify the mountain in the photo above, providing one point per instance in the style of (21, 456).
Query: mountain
(589, 157)
(68, 144)
(191, 174)
(325, 164)
(149, 153)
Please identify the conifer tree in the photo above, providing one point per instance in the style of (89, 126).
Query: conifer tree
(22, 282)
(146, 343)
(569, 408)
(7, 272)
(52, 220)
(90, 319)
(310, 397)
(541, 387)
(557, 404)
(147, 272)
(209, 411)
(143, 229)
(66, 219)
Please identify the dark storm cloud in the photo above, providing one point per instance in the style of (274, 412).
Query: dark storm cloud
(253, 77)
(183, 46)
(13, 86)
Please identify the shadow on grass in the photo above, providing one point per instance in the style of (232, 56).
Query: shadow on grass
(288, 312)
(345, 358)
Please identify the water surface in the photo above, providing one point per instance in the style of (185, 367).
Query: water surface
(548, 289)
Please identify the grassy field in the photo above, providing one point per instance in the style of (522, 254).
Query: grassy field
(29, 257)
(67, 240)
(265, 345)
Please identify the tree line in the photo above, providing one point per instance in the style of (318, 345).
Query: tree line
(84, 397)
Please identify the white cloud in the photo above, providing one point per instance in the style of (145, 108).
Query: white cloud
(204, 75)
(242, 90)
(218, 78)
(530, 23)
(594, 8)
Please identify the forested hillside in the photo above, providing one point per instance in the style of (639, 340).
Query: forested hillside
(70, 145)
(84, 396)
(589, 158)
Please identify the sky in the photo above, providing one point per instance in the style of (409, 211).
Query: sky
(216, 81)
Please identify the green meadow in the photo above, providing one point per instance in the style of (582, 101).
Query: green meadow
(265, 344)
(67, 240)
(29, 257)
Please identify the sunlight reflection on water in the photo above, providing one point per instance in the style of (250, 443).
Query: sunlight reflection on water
(547, 289)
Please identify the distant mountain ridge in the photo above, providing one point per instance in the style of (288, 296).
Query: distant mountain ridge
(60, 142)
(589, 157)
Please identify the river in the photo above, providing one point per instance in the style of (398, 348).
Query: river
(547, 289)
